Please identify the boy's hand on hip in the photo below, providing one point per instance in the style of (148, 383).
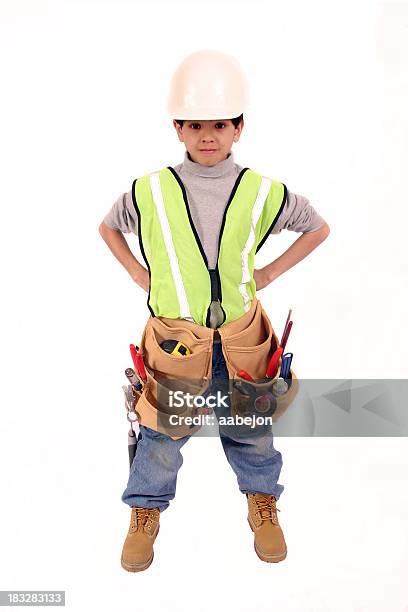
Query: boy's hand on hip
(297, 251)
(142, 278)
(120, 248)
(262, 279)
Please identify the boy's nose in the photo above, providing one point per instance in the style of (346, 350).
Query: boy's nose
(207, 139)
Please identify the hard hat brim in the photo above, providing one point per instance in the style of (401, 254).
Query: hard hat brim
(204, 115)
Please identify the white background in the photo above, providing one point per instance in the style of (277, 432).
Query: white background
(84, 87)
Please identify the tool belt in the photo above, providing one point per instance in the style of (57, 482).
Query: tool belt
(247, 344)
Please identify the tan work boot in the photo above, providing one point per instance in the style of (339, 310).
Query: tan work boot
(137, 553)
(269, 543)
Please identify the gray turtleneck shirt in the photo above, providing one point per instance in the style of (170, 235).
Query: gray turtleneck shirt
(208, 189)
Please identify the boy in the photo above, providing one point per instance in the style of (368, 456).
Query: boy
(207, 99)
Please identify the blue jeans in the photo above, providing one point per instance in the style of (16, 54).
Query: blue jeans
(153, 474)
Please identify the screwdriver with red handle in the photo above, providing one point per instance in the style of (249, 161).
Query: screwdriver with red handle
(244, 374)
(273, 363)
(138, 362)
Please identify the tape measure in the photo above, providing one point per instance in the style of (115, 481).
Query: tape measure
(174, 347)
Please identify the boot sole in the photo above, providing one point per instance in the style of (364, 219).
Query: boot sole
(138, 567)
(268, 558)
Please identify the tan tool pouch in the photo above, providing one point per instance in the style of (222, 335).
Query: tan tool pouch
(153, 410)
(189, 374)
(248, 344)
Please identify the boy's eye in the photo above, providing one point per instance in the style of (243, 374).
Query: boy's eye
(199, 124)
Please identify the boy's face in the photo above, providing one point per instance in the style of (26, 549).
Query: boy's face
(208, 141)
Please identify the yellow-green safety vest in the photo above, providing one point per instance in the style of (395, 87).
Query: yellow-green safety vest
(182, 286)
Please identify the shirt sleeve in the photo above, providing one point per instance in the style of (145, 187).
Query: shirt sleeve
(298, 215)
(122, 216)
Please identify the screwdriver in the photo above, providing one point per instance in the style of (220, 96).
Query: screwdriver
(273, 364)
(138, 362)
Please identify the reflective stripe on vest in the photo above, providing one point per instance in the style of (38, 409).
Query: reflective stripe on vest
(256, 213)
(171, 251)
(181, 283)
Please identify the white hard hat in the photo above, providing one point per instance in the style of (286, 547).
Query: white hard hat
(208, 84)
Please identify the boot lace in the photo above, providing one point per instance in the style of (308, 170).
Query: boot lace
(266, 508)
(143, 518)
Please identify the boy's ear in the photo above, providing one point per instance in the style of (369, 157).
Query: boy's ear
(178, 130)
(238, 130)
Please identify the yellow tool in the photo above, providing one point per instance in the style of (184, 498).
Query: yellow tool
(174, 347)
